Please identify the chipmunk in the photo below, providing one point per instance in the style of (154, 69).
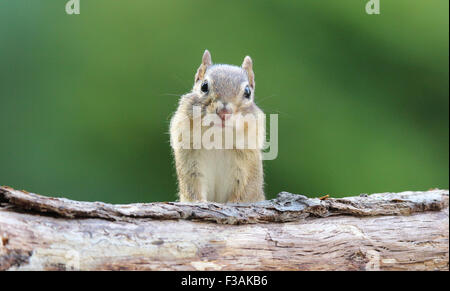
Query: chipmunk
(227, 174)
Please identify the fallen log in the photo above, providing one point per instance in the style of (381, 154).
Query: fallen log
(387, 231)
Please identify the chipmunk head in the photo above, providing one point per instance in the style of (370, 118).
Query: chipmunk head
(225, 89)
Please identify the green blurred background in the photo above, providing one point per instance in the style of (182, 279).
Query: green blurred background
(86, 99)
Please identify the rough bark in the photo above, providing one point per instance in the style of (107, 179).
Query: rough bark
(388, 231)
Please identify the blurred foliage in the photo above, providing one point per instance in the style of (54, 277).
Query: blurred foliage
(86, 99)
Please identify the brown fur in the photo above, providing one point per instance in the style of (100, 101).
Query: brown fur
(239, 177)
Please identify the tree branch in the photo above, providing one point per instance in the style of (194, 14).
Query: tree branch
(407, 230)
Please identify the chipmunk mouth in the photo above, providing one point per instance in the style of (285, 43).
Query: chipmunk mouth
(225, 117)
(227, 123)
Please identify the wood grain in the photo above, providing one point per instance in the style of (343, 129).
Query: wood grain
(387, 231)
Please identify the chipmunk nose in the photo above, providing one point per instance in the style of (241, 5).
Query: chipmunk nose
(224, 113)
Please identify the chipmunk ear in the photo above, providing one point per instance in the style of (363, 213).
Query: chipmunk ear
(206, 62)
(247, 65)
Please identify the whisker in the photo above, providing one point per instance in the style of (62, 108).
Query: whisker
(172, 94)
(265, 98)
(181, 81)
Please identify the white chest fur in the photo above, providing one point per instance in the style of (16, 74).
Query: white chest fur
(218, 168)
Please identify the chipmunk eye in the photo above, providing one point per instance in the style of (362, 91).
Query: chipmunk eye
(204, 87)
(247, 92)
